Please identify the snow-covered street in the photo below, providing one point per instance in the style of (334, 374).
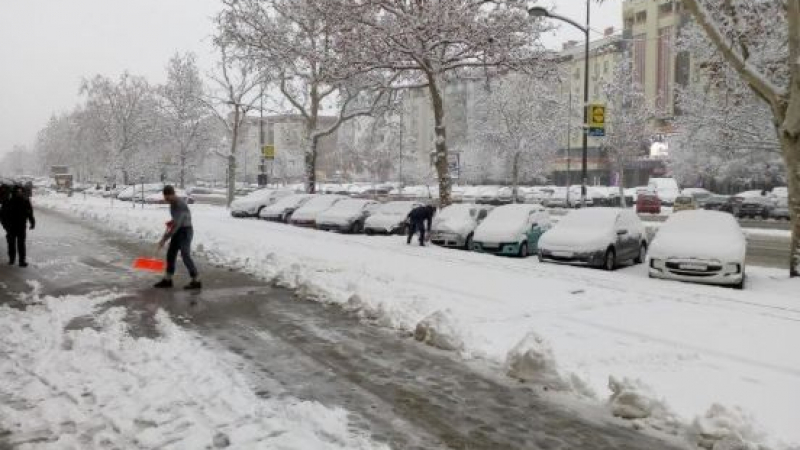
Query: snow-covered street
(717, 359)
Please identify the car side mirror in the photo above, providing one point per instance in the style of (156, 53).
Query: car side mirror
(622, 232)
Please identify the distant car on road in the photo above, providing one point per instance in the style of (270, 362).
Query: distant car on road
(598, 237)
(684, 203)
(753, 207)
(699, 247)
(781, 210)
(389, 218)
(306, 215)
(252, 204)
(666, 188)
(347, 215)
(282, 210)
(700, 195)
(512, 230)
(724, 203)
(648, 203)
(454, 226)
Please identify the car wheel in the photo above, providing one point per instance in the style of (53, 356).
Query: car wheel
(523, 250)
(610, 260)
(468, 243)
(258, 213)
(740, 285)
(369, 232)
(356, 228)
(541, 258)
(642, 254)
(765, 215)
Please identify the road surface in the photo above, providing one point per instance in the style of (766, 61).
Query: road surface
(397, 390)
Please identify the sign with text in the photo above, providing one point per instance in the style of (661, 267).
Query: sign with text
(597, 120)
(268, 151)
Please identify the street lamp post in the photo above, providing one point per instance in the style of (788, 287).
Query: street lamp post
(538, 11)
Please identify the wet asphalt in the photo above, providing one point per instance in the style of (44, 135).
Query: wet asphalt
(398, 391)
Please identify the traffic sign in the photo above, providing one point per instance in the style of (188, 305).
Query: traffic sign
(268, 151)
(597, 120)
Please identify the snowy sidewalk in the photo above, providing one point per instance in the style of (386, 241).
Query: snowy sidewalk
(693, 346)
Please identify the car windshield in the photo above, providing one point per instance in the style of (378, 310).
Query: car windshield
(454, 212)
(258, 195)
(758, 200)
(683, 200)
(291, 200)
(718, 199)
(591, 218)
(350, 205)
(508, 214)
(396, 208)
(322, 201)
(700, 222)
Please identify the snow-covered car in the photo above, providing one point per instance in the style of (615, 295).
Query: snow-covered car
(512, 230)
(282, 210)
(699, 194)
(597, 237)
(557, 199)
(306, 215)
(666, 188)
(252, 204)
(684, 203)
(347, 215)
(157, 198)
(781, 210)
(753, 207)
(129, 192)
(389, 218)
(701, 247)
(454, 226)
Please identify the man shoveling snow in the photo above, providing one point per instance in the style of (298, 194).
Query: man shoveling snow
(179, 233)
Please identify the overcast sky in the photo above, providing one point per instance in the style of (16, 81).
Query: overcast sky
(48, 46)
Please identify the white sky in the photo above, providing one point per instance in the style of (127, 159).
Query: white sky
(48, 46)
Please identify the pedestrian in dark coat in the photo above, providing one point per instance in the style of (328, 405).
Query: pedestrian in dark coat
(417, 219)
(17, 212)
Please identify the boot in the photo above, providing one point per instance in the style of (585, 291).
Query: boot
(163, 284)
(194, 285)
(23, 264)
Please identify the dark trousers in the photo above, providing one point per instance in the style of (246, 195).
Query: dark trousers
(15, 238)
(181, 242)
(414, 227)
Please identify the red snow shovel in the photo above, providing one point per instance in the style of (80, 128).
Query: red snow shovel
(149, 264)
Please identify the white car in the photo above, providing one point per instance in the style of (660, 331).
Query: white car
(455, 225)
(283, 209)
(512, 230)
(157, 198)
(598, 237)
(306, 215)
(666, 188)
(347, 215)
(130, 192)
(701, 247)
(389, 218)
(252, 204)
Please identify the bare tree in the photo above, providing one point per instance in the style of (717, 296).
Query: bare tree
(629, 119)
(183, 110)
(122, 111)
(760, 40)
(430, 43)
(294, 41)
(236, 90)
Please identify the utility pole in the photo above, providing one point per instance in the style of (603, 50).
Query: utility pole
(262, 177)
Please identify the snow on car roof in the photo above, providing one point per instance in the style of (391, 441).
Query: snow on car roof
(397, 207)
(590, 217)
(700, 221)
(512, 212)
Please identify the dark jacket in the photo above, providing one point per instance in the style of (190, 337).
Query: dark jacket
(422, 214)
(17, 211)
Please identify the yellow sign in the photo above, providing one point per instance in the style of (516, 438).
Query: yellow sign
(597, 120)
(268, 151)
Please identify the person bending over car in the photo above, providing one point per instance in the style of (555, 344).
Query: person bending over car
(417, 219)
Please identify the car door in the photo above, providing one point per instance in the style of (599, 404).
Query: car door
(536, 228)
(623, 237)
(634, 236)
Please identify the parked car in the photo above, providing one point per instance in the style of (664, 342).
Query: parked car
(389, 218)
(128, 193)
(512, 230)
(347, 215)
(753, 207)
(724, 203)
(282, 210)
(781, 210)
(684, 203)
(454, 226)
(252, 204)
(306, 215)
(699, 247)
(648, 203)
(557, 198)
(700, 195)
(157, 198)
(666, 188)
(780, 192)
(598, 237)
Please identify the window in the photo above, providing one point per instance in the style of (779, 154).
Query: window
(605, 67)
(641, 17)
(639, 58)
(664, 68)
(665, 9)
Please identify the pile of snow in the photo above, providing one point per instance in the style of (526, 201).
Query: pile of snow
(100, 387)
(722, 428)
(532, 360)
(680, 339)
(440, 330)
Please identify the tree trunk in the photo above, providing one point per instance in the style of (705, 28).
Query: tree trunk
(232, 158)
(621, 181)
(183, 169)
(311, 165)
(440, 158)
(515, 178)
(791, 153)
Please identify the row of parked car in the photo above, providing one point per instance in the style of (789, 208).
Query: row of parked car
(698, 246)
(747, 204)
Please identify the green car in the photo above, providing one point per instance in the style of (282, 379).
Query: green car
(512, 230)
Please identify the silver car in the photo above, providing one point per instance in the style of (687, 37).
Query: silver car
(455, 225)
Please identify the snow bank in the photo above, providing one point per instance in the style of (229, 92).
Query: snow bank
(723, 428)
(693, 345)
(100, 387)
(440, 330)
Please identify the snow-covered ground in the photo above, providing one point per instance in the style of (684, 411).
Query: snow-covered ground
(99, 387)
(715, 357)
